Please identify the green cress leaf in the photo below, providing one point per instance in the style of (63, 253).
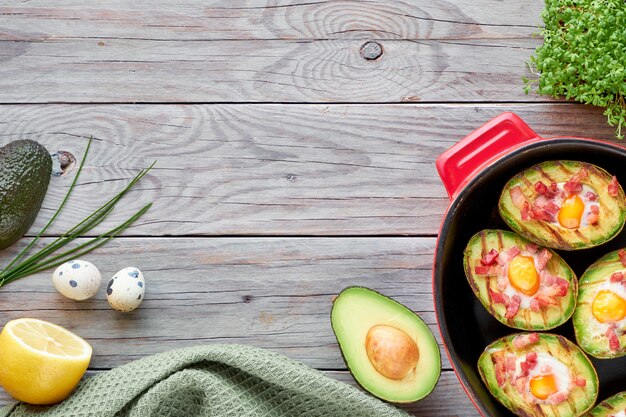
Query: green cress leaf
(583, 56)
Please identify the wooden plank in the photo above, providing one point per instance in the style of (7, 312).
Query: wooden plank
(448, 398)
(270, 169)
(274, 293)
(134, 70)
(303, 19)
(293, 51)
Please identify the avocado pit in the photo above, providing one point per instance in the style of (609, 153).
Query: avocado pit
(391, 351)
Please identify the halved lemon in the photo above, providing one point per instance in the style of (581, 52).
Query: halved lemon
(40, 362)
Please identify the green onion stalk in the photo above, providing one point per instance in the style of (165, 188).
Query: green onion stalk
(50, 255)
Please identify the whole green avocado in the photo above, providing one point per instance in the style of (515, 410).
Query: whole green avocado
(25, 168)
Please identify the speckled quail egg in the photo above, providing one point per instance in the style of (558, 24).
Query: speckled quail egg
(78, 280)
(126, 289)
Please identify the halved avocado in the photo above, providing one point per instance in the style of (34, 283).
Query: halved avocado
(612, 406)
(526, 403)
(485, 285)
(612, 209)
(388, 349)
(602, 306)
(25, 169)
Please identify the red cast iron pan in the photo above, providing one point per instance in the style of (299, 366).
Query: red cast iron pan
(474, 171)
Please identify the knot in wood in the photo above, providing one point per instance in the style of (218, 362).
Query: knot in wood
(371, 50)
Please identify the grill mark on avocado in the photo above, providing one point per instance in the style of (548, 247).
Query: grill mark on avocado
(483, 243)
(545, 175)
(581, 236)
(563, 342)
(526, 316)
(557, 235)
(528, 184)
(472, 282)
(563, 168)
(607, 405)
(490, 307)
(470, 273)
(569, 360)
(544, 316)
(591, 169)
(553, 410)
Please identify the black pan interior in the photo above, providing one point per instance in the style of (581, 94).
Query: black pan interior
(466, 326)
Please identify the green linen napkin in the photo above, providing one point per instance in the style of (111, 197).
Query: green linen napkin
(213, 380)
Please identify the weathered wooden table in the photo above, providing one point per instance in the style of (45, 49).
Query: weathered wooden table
(291, 162)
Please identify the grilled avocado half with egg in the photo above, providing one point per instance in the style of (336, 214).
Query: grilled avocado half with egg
(388, 349)
(600, 316)
(523, 285)
(539, 374)
(614, 406)
(565, 205)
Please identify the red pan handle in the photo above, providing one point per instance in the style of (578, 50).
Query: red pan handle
(470, 155)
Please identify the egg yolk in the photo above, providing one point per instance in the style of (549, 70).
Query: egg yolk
(523, 276)
(543, 386)
(571, 212)
(608, 307)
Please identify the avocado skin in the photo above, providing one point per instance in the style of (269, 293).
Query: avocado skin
(427, 385)
(560, 348)
(609, 406)
(588, 336)
(25, 169)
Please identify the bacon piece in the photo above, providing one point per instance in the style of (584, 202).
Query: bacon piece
(547, 279)
(622, 256)
(521, 385)
(541, 188)
(502, 282)
(574, 185)
(509, 364)
(552, 208)
(580, 382)
(591, 196)
(613, 187)
(562, 285)
(486, 270)
(553, 285)
(542, 213)
(517, 196)
(554, 189)
(506, 256)
(512, 307)
(546, 300)
(498, 297)
(497, 358)
(525, 211)
(594, 215)
(532, 248)
(617, 276)
(544, 256)
(580, 175)
(525, 340)
(528, 364)
(612, 336)
(489, 258)
(541, 201)
(535, 305)
(557, 398)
